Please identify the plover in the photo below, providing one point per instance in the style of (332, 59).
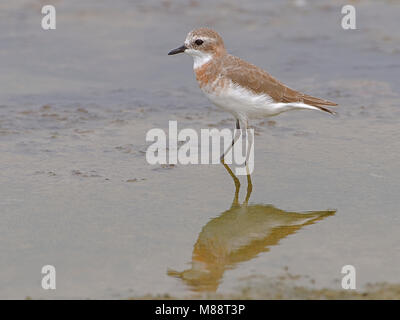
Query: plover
(239, 87)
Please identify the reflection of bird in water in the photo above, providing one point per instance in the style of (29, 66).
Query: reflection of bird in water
(239, 234)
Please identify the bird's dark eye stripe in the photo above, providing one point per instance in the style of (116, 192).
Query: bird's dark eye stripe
(199, 42)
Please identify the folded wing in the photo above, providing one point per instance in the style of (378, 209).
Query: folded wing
(259, 81)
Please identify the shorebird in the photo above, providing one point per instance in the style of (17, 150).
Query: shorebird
(239, 87)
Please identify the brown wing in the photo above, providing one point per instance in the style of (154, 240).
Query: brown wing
(259, 81)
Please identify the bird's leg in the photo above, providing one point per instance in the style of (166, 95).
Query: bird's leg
(236, 181)
(235, 138)
(249, 189)
(250, 140)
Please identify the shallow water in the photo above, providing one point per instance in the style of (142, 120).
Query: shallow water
(76, 190)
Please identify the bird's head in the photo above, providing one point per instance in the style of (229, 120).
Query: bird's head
(202, 44)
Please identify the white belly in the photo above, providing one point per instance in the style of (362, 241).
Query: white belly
(245, 104)
(240, 101)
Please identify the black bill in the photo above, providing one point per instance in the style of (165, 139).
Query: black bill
(177, 50)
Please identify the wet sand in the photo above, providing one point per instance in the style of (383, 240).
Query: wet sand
(285, 289)
(76, 190)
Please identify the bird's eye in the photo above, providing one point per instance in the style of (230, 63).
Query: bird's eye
(199, 42)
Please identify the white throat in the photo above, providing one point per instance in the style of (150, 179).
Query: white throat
(199, 57)
(199, 61)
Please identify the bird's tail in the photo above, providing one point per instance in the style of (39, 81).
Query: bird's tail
(319, 103)
(325, 109)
